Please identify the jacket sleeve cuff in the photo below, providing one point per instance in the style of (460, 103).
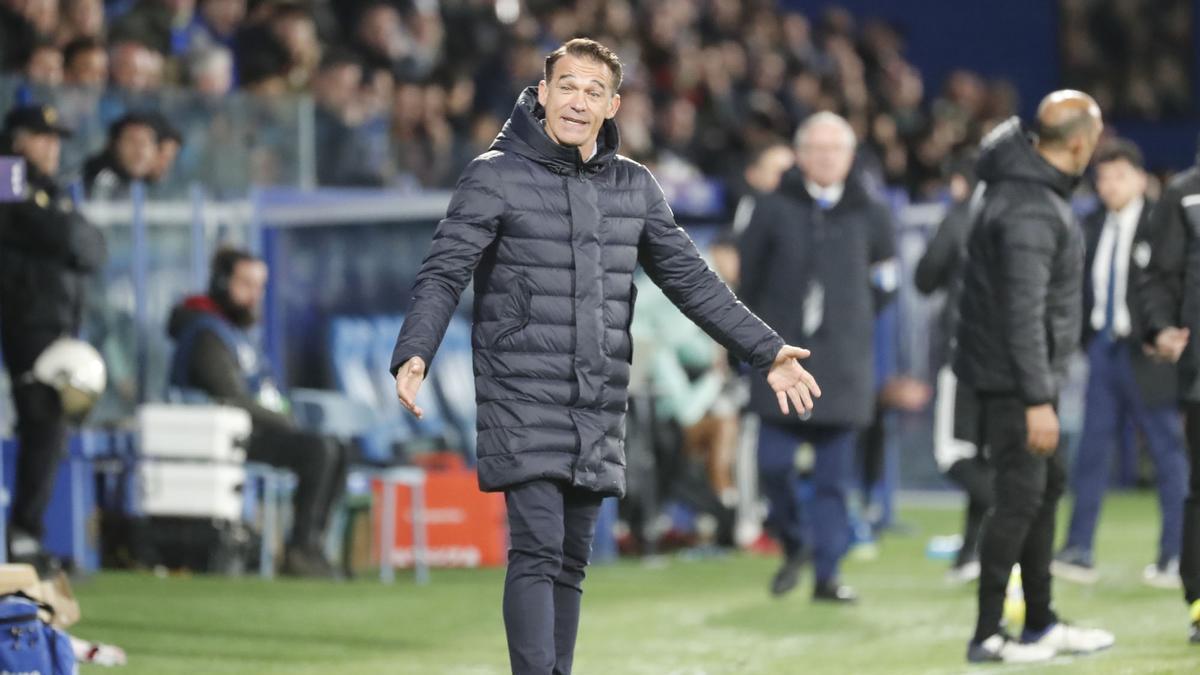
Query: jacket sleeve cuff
(400, 357)
(764, 356)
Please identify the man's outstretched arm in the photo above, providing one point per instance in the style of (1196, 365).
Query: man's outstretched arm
(672, 261)
(469, 227)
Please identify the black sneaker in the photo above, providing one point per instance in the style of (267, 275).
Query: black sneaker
(1075, 564)
(788, 576)
(305, 562)
(832, 591)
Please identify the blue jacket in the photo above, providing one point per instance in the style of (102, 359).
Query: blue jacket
(553, 242)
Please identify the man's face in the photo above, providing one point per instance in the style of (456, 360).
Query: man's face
(42, 150)
(168, 150)
(88, 69)
(825, 154)
(1118, 182)
(45, 67)
(224, 15)
(578, 98)
(337, 86)
(247, 286)
(137, 150)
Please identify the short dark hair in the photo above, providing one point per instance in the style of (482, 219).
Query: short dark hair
(224, 262)
(588, 49)
(1120, 149)
(133, 119)
(79, 46)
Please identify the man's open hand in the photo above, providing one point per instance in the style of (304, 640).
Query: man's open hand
(790, 381)
(408, 383)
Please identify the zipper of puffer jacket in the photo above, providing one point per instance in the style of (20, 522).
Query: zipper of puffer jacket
(574, 337)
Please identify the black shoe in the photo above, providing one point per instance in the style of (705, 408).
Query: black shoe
(1194, 634)
(305, 562)
(787, 577)
(832, 591)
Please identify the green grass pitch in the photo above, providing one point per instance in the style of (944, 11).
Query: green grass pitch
(685, 617)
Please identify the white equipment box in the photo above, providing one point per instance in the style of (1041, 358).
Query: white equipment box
(193, 460)
(192, 489)
(197, 432)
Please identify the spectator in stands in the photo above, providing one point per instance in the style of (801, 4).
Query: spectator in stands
(45, 65)
(170, 142)
(47, 252)
(130, 155)
(294, 28)
(262, 62)
(216, 357)
(1125, 386)
(210, 71)
(85, 63)
(817, 260)
(161, 25)
(17, 34)
(344, 147)
(81, 19)
(135, 68)
(410, 50)
(217, 23)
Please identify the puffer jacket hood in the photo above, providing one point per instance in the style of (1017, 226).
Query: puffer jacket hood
(525, 134)
(1008, 154)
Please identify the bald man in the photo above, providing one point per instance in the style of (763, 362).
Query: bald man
(1021, 316)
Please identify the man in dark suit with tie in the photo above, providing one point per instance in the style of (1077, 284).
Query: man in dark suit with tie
(1124, 383)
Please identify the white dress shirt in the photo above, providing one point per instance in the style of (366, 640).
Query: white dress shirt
(1119, 230)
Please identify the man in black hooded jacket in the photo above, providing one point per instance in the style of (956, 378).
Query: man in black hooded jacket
(47, 251)
(552, 222)
(1169, 296)
(1021, 311)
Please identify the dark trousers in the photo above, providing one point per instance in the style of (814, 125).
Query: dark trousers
(551, 526)
(320, 467)
(1113, 399)
(833, 473)
(41, 435)
(1189, 558)
(977, 479)
(1020, 528)
(41, 429)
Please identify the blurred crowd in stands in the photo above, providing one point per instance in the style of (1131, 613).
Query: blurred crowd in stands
(1125, 53)
(406, 93)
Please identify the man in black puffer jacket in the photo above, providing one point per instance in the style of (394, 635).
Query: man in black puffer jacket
(47, 251)
(1169, 296)
(553, 222)
(1021, 310)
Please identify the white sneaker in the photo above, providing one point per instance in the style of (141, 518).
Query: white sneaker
(964, 573)
(1000, 648)
(1068, 639)
(1163, 576)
